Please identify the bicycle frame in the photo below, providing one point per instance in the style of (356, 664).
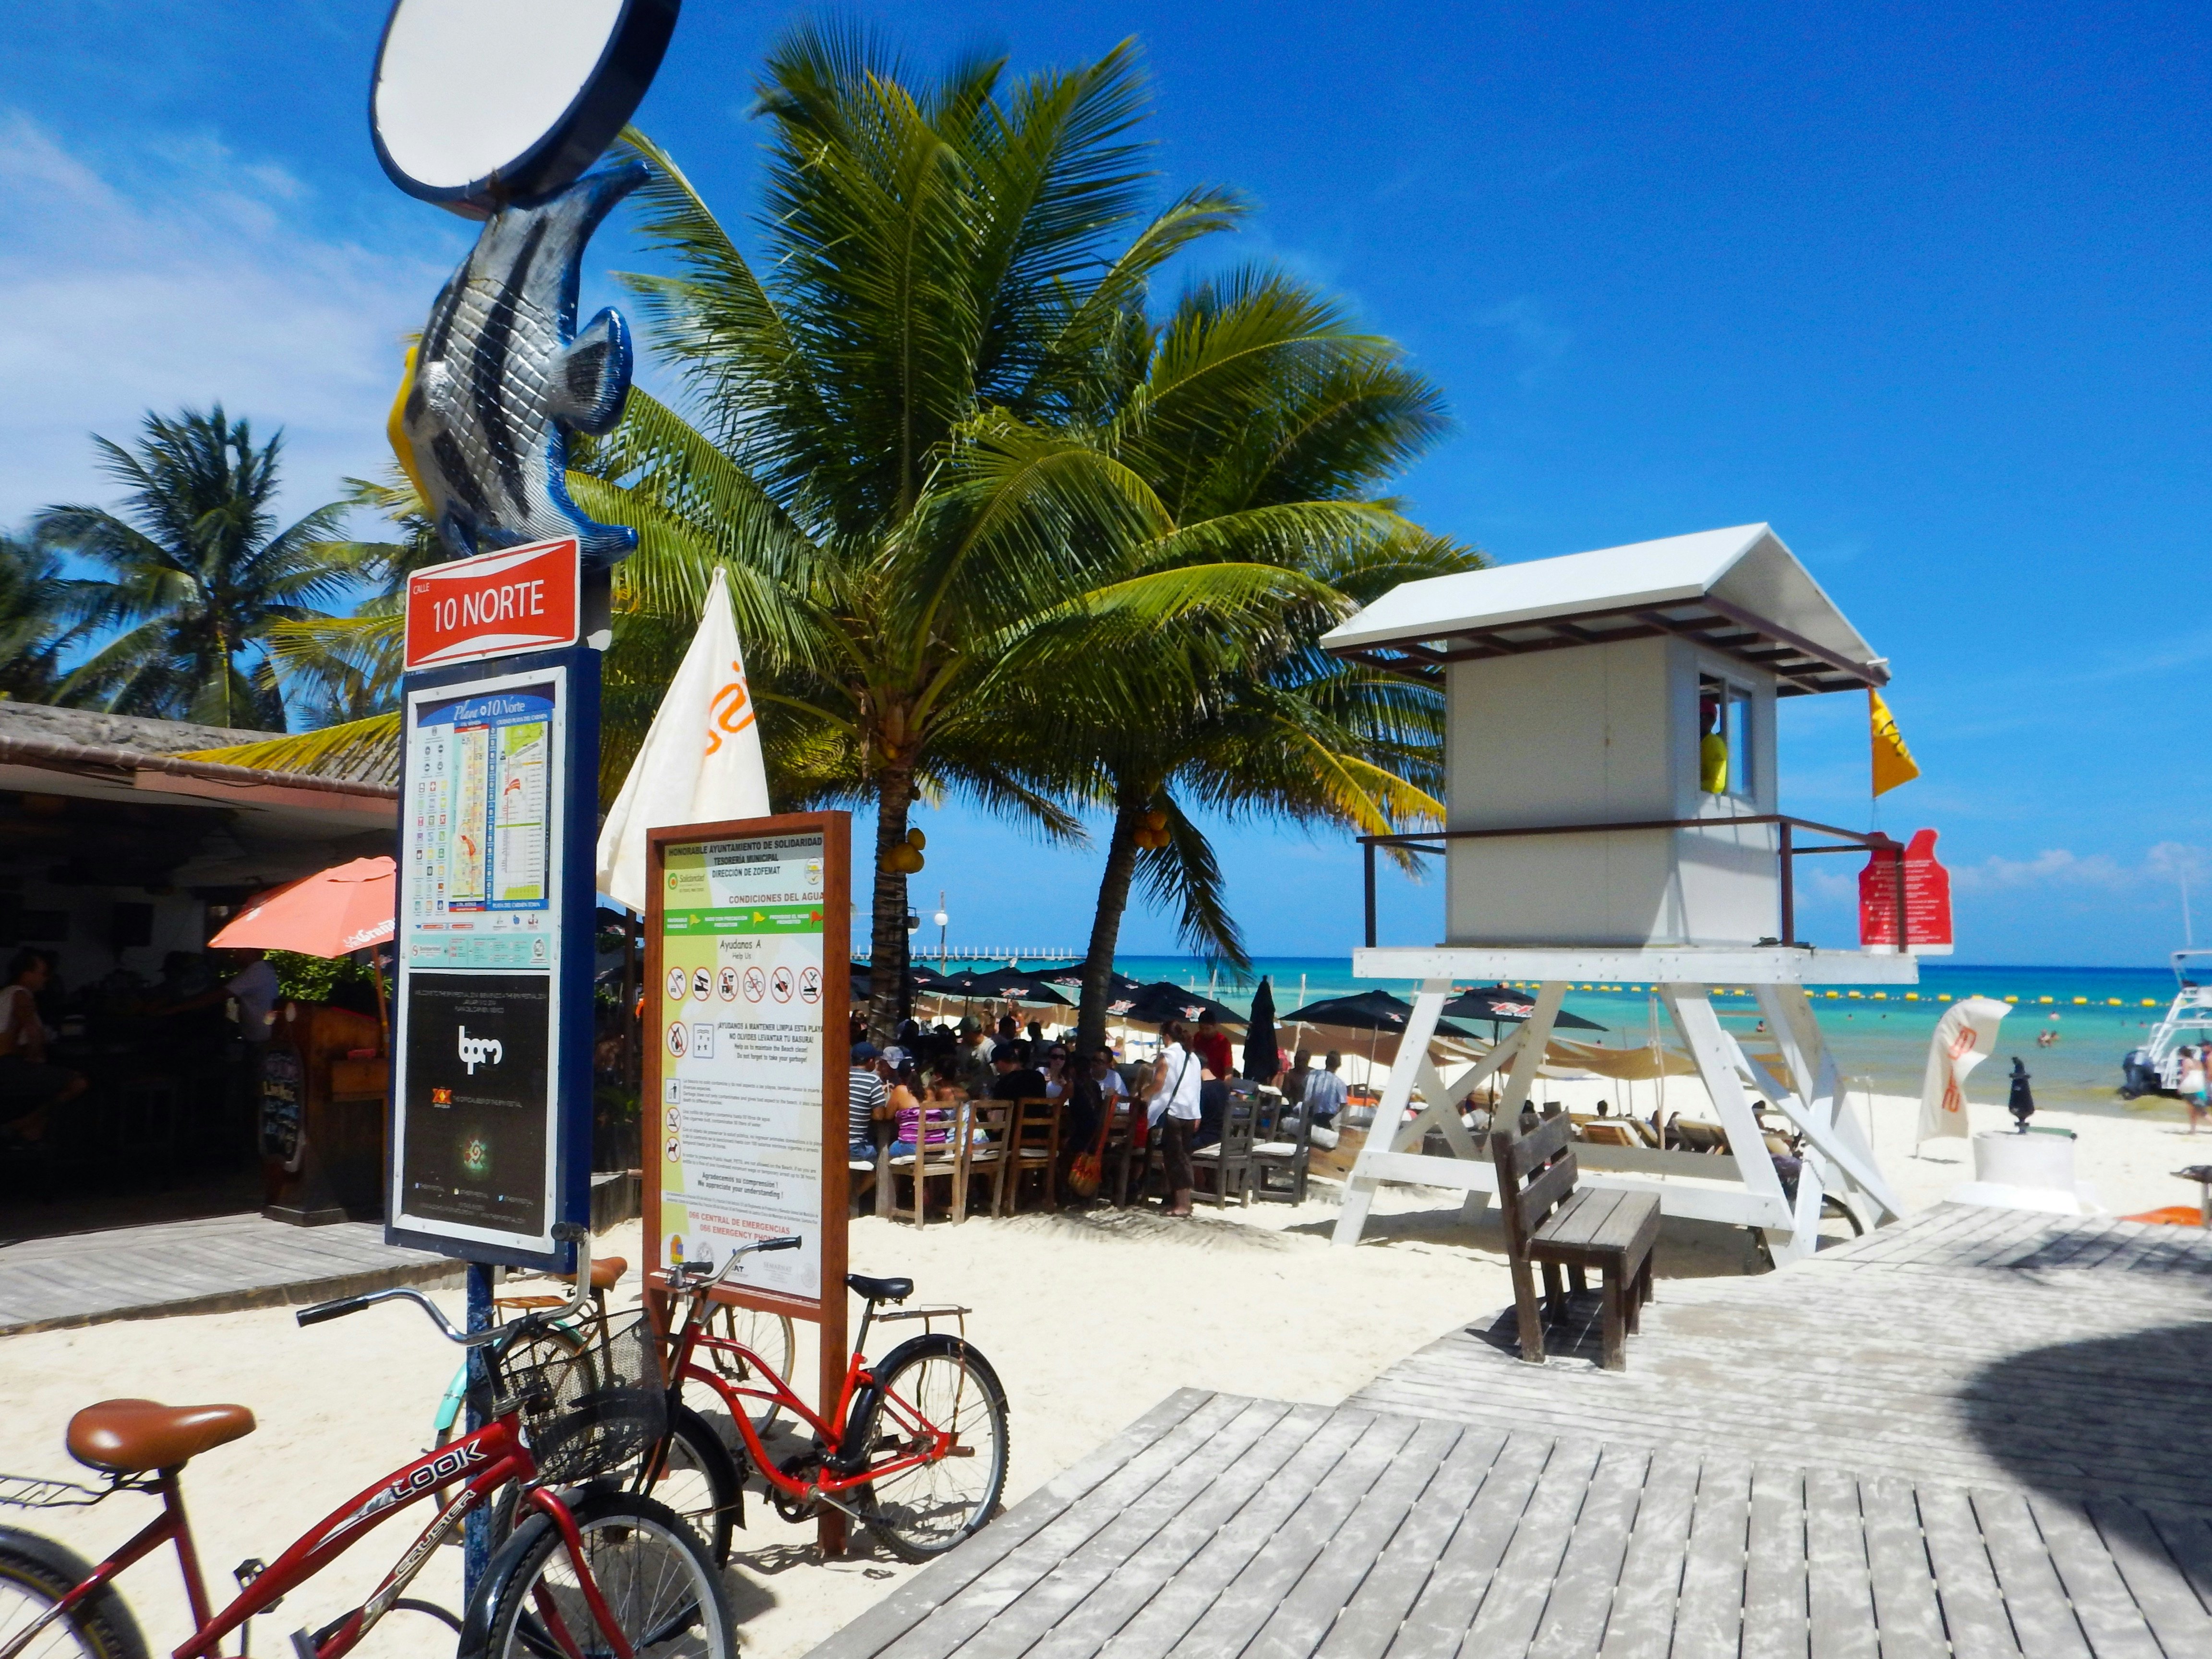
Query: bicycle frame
(832, 1482)
(491, 1457)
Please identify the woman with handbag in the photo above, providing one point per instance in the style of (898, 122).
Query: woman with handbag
(1174, 1110)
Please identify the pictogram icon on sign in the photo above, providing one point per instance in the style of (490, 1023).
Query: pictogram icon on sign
(678, 1038)
(701, 982)
(779, 986)
(725, 985)
(810, 985)
(756, 985)
(676, 985)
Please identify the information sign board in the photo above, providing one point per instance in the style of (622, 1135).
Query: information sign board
(745, 1024)
(491, 1041)
(1926, 905)
(524, 599)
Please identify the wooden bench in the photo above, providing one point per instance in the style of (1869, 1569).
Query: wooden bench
(1551, 1224)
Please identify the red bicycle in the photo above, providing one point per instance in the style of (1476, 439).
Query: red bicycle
(595, 1573)
(920, 1459)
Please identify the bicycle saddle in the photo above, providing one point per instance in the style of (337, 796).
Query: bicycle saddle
(881, 1289)
(127, 1437)
(604, 1271)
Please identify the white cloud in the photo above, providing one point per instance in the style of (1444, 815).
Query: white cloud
(1541, 341)
(191, 281)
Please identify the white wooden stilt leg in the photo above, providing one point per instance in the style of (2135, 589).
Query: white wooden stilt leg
(1389, 1116)
(1535, 1034)
(1714, 1053)
(1831, 1134)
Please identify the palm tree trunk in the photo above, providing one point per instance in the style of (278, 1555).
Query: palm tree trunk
(1106, 926)
(887, 939)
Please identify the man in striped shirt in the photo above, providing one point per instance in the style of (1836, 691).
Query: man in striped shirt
(866, 1099)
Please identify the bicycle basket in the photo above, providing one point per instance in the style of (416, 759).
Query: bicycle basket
(589, 1414)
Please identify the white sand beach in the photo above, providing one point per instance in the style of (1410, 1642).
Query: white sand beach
(1090, 1318)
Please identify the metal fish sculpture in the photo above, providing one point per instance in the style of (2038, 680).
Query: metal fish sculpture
(502, 377)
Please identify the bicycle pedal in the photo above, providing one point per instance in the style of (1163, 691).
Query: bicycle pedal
(249, 1570)
(303, 1645)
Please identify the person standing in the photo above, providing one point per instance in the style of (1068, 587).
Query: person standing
(1210, 1044)
(1174, 1108)
(2191, 1087)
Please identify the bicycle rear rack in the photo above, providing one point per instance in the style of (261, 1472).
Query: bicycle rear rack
(31, 1491)
(927, 1313)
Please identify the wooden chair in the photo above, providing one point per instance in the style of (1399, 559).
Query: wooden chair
(1033, 1149)
(990, 1137)
(1549, 1223)
(1279, 1166)
(1223, 1169)
(948, 1160)
(1122, 1155)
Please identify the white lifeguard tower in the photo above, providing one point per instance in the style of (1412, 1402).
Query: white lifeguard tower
(1613, 818)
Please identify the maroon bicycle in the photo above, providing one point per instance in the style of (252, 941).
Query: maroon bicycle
(591, 1573)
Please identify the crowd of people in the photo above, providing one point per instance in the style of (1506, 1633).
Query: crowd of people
(908, 1096)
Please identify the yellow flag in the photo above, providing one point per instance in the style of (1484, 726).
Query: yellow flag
(1893, 761)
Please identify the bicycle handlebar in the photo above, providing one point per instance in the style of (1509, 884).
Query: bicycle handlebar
(579, 1293)
(693, 1278)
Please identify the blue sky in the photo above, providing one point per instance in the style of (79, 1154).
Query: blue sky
(1923, 287)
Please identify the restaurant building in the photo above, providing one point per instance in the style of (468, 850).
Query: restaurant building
(119, 857)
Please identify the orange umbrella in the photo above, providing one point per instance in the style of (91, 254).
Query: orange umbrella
(332, 913)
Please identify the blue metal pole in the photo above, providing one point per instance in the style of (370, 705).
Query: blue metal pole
(476, 1537)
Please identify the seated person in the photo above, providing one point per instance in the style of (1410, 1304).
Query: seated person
(1325, 1092)
(1016, 1078)
(29, 1086)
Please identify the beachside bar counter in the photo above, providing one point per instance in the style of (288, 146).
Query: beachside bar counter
(1613, 816)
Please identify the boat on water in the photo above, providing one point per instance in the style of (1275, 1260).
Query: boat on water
(2154, 1068)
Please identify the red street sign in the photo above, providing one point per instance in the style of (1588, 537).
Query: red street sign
(521, 598)
(1927, 899)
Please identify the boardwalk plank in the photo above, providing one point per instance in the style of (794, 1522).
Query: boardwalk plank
(1642, 1623)
(1326, 1590)
(1907, 1613)
(1369, 1621)
(2109, 1616)
(2160, 1588)
(942, 1579)
(1709, 1617)
(1965, 1583)
(1507, 1620)
(1452, 1597)
(1248, 1601)
(2035, 1600)
(1581, 1603)
(1839, 1594)
(1774, 1609)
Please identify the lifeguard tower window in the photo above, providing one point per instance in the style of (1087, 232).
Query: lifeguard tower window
(1724, 747)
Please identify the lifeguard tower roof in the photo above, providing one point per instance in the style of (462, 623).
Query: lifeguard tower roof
(1739, 591)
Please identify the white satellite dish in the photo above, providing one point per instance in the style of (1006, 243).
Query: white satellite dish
(478, 102)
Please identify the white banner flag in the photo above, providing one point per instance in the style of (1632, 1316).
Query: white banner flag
(701, 762)
(1964, 1038)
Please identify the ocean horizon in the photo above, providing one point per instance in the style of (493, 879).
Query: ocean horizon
(1880, 1036)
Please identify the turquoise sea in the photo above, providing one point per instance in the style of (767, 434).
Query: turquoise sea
(1880, 1038)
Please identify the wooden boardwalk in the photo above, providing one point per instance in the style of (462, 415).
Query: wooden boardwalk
(1975, 1434)
(209, 1266)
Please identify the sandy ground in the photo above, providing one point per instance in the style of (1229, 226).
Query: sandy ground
(1090, 1318)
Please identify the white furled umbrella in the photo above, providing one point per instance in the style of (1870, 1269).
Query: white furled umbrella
(699, 763)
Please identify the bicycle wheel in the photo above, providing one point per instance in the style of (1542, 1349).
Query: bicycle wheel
(767, 1334)
(942, 1382)
(36, 1572)
(663, 1593)
(697, 1477)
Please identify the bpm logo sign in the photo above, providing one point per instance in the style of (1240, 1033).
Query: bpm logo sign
(480, 1051)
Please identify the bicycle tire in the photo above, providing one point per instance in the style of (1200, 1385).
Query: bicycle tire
(699, 1480)
(649, 1565)
(35, 1573)
(918, 1515)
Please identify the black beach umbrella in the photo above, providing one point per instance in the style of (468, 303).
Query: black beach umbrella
(1260, 1060)
(1375, 1011)
(1160, 1001)
(1500, 1003)
(1007, 985)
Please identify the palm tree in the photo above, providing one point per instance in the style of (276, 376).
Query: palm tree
(42, 619)
(198, 573)
(894, 453)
